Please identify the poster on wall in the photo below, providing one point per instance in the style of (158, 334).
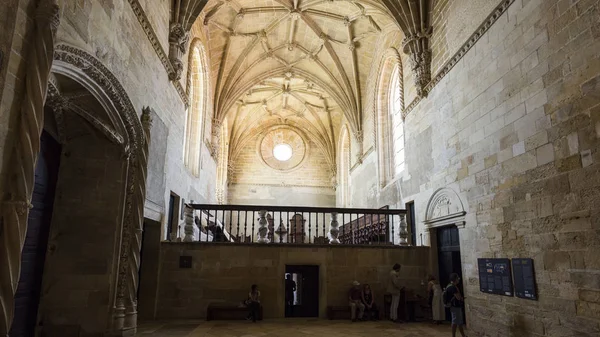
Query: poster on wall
(524, 277)
(495, 276)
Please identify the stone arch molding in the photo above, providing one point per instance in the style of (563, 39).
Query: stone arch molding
(445, 208)
(88, 71)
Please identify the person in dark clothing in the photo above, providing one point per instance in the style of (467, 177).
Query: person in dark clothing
(456, 300)
(290, 288)
(355, 298)
(368, 299)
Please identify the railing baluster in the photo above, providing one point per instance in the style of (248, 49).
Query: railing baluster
(309, 225)
(253, 220)
(378, 229)
(324, 225)
(280, 228)
(343, 228)
(245, 225)
(393, 238)
(237, 225)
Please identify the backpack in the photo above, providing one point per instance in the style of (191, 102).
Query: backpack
(446, 297)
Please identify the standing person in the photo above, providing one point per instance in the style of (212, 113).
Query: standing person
(368, 299)
(254, 303)
(355, 299)
(290, 288)
(436, 302)
(456, 300)
(394, 288)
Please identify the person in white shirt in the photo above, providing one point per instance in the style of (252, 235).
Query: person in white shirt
(394, 288)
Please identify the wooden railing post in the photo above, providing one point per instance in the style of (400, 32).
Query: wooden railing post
(334, 230)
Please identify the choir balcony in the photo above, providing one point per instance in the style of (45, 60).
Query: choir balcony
(295, 225)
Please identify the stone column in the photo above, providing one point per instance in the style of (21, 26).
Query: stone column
(403, 230)
(20, 175)
(188, 227)
(263, 227)
(334, 231)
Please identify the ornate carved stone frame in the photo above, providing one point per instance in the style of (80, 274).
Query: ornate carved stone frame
(445, 208)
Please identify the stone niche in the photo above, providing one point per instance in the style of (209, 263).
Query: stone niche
(224, 272)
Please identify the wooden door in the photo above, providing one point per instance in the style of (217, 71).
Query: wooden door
(33, 256)
(448, 244)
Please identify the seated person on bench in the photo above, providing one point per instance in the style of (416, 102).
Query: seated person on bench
(253, 303)
(368, 299)
(355, 298)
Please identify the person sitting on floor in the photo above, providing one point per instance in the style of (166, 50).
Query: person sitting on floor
(368, 299)
(355, 298)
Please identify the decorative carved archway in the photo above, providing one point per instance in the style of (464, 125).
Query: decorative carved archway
(95, 77)
(445, 208)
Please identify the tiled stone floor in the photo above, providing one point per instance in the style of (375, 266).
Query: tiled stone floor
(290, 328)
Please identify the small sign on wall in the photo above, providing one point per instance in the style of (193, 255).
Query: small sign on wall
(185, 262)
(495, 276)
(524, 278)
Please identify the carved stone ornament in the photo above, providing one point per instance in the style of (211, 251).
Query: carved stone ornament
(178, 39)
(483, 28)
(445, 208)
(20, 177)
(124, 312)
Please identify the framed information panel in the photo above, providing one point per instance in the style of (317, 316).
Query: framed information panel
(495, 276)
(524, 278)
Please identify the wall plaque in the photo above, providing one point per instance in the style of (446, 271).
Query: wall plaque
(185, 262)
(524, 277)
(495, 276)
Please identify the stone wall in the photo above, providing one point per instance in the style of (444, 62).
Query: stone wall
(454, 21)
(128, 53)
(224, 273)
(256, 183)
(512, 129)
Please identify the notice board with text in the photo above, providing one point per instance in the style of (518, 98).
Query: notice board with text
(495, 276)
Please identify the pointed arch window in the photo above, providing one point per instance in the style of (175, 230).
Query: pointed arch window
(195, 116)
(390, 125)
(397, 124)
(344, 168)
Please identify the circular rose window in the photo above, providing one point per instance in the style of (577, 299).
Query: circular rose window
(282, 149)
(282, 152)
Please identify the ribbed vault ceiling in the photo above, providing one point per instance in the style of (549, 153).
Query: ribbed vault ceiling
(299, 63)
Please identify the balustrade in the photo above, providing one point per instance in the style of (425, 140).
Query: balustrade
(295, 225)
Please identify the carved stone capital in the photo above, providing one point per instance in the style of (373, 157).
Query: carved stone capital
(178, 39)
(420, 60)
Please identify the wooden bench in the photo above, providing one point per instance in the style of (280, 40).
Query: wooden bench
(338, 312)
(221, 311)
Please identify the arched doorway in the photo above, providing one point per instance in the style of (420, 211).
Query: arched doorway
(93, 226)
(444, 216)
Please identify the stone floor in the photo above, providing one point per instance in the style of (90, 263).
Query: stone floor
(290, 328)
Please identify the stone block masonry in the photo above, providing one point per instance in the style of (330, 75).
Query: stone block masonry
(516, 136)
(224, 272)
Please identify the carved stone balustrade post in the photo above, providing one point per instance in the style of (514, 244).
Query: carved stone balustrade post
(263, 228)
(334, 230)
(188, 229)
(403, 231)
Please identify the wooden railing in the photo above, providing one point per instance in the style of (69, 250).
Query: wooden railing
(295, 225)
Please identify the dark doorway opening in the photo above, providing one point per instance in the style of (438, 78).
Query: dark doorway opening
(448, 245)
(148, 274)
(33, 256)
(306, 296)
